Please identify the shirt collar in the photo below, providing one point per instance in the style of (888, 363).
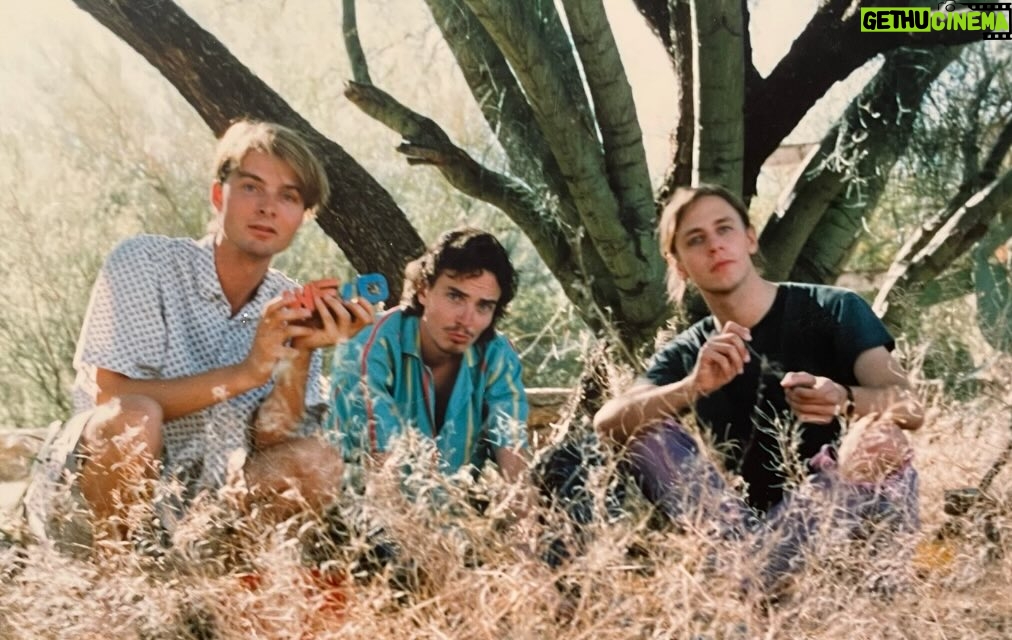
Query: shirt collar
(206, 274)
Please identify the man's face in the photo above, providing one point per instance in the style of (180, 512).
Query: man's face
(713, 248)
(260, 206)
(457, 310)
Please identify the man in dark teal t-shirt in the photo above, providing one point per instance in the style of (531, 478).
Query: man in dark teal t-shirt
(770, 375)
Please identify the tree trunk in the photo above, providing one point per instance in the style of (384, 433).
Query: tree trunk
(720, 89)
(221, 89)
(841, 183)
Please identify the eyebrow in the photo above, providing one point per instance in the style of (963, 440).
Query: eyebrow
(700, 228)
(253, 176)
(493, 301)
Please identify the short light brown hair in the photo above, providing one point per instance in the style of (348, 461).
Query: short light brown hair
(277, 140)
(671, 217)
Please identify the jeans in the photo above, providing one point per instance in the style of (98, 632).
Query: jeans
(666, 463)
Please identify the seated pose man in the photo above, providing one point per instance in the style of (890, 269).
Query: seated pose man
(437, 365)
(193, 359)
(768, 355)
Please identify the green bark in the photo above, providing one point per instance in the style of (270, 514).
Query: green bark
(961, 231)
(720, 60)
(538, 51)
(812, 239)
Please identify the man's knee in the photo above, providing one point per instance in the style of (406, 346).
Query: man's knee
(128, 425)
(873, 449)
(321, 469)
(308, 465)
(660, 458)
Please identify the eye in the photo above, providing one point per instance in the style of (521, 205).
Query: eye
(249, 187)
(694, 240)
(724, 228)
(486, 307)
(293, 197)
(455, 295)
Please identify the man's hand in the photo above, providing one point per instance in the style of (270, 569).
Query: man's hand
(278, 326)
(813, 398)
(339, 320)
(721, 359)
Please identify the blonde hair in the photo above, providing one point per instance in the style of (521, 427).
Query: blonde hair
(671, 217)
(277, 140)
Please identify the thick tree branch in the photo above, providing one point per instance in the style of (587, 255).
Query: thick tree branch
(968, 225)
(624, 155)
(503, 104)
(841, 183)
(353, 43)
(827, 51)
(720, 59)
(658, 16)
(221, 89)
(671, 21)
(532, 41)
(426, 143)
(972, 183)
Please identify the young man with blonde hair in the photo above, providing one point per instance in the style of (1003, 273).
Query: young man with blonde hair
(195, 364)
(773, 376)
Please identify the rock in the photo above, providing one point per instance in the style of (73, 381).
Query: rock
(17, 452)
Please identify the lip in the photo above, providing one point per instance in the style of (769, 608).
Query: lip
(720, 265)
(261, 230)
(458, 337)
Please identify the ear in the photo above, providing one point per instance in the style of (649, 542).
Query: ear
(753, 241)
(673, 263)
(217, 197)
(423, 292)
(680, 270)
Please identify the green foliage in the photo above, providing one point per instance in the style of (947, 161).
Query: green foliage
(113, 151)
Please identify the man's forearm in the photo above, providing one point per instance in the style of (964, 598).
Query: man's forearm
(179, 396)
(283, 408)
(621, 417)
(900, 403)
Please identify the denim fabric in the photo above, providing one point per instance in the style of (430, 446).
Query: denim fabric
(666, 463)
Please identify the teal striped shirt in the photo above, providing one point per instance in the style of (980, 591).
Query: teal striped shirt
(380, 387)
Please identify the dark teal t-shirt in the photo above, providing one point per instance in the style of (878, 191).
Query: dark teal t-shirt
(818, 329)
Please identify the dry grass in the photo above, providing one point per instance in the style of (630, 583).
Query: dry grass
(481, 576)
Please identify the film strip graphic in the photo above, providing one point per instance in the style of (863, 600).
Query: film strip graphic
(983, 6)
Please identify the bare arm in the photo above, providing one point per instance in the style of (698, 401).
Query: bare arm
(721, 359)
(882, 388)
(283, 408)
(182, 396)
(642, 404)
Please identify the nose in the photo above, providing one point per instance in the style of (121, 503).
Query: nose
(465, 315)
(265, 204)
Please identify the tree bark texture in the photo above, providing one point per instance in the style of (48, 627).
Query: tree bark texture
(811, 237)
(220, 88)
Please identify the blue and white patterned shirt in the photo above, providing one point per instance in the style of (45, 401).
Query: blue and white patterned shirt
(157, 311)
